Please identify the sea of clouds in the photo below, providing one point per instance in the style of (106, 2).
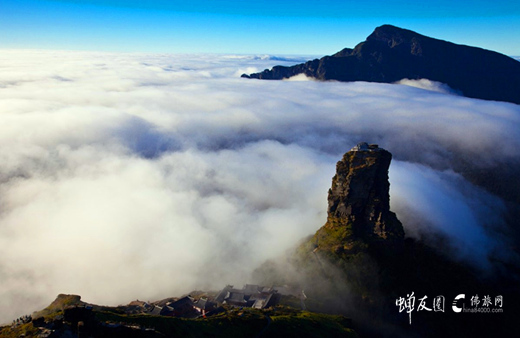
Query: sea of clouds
(127, 176)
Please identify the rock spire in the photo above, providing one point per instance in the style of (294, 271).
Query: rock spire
(359, 196)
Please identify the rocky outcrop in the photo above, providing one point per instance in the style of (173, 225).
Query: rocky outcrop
(359, 196)
(358, 216)
(391, 54)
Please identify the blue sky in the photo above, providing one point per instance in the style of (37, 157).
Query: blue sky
(230, 26)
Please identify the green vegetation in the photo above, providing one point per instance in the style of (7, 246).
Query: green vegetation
(335, 239)
(287, 322)
(280, 321)
(231, 323)
(25, 330)
(275, 322)
(58, 305)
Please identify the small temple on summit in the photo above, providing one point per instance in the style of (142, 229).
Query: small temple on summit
(363, 146)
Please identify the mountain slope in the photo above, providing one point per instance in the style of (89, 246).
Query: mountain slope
(360, 263)
(67, 316)
(390, 54)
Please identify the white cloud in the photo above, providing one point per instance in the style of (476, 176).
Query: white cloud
(426, 84)
(130, 176)
(444, 203)
(300, 77)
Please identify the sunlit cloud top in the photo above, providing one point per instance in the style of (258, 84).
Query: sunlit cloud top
(156, 167)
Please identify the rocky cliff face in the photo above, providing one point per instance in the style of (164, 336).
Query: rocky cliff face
(358, 264)
(359, 196)
(359, 217)
(390, 54)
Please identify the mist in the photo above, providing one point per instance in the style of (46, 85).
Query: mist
(146, 176)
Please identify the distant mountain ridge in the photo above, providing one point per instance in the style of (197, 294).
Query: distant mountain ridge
(391, 54)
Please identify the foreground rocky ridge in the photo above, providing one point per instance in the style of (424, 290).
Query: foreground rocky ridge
(68, 316)
(391, 54)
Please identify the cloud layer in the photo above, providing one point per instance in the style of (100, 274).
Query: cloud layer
(130, 176)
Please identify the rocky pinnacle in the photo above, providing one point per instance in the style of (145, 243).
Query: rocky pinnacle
(359, 196)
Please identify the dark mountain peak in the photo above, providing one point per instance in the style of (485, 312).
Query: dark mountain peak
(391, 54)
(392, 33)
(388, 36)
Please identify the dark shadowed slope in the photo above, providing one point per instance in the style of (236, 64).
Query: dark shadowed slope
(390, 54)
(359, 263)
